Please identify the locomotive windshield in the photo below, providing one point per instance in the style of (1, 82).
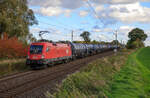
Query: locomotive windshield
(36, 49)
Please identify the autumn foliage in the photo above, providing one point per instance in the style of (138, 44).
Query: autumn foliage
(12, 48)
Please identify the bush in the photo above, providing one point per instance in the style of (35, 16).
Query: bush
(12, 48)
(92, 81)
(135, 44)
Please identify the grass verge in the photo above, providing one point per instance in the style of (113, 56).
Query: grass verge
(133, 81)
(92, 81)
(12, 66)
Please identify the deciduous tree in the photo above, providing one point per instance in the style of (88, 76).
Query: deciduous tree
(137, 34)
(15, 18)
(136, 38)
(86, 36)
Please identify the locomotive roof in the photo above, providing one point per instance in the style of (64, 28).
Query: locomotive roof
(50, 43)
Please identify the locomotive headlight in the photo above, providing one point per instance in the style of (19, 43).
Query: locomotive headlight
(42, 57)
(28, 57)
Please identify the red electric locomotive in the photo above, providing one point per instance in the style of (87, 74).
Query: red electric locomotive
(43, 54)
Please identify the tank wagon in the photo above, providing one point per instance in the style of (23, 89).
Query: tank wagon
(44, 54)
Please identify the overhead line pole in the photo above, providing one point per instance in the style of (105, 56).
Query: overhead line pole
(72, 35)
(116, 34)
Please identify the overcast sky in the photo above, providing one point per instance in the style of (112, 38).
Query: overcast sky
(60, 17)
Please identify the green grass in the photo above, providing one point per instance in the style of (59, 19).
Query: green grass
(118, 76)
(144, 57)
(92, 81)
(133, 81)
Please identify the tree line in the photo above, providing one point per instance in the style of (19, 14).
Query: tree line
(136, 37)
(15, 18)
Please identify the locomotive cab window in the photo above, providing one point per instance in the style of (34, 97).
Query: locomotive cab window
(36, 49)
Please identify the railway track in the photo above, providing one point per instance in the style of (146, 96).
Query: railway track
(9, 77)
(14, 86)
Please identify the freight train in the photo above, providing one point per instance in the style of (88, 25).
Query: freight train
(44, 54)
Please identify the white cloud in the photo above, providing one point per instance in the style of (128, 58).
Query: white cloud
(56, 31)
(96, 30)
(147, 42)
(124, 30)
(127, 11)
(102, 37)
(105, 37)
(130, 13)
(105, 30)
(99, 8)
(35, 30)
(83, 13)
(67, 12)
(118, 1)
(44, 3)
(108, 30)
(50, 11)
(69, 4)
(55, 7)
(53, 11)
(123, 33)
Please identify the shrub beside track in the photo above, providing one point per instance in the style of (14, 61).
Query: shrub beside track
(92, 81)
(111, 77)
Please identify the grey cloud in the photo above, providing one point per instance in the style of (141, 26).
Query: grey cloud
(71, 4)
(101, 1)
(105, 17)
(44, 3)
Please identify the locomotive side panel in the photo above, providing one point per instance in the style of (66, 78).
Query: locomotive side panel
(45, 53)
(63, 50)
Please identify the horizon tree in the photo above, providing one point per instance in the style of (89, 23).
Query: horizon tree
(136, 38)
(86, 36)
